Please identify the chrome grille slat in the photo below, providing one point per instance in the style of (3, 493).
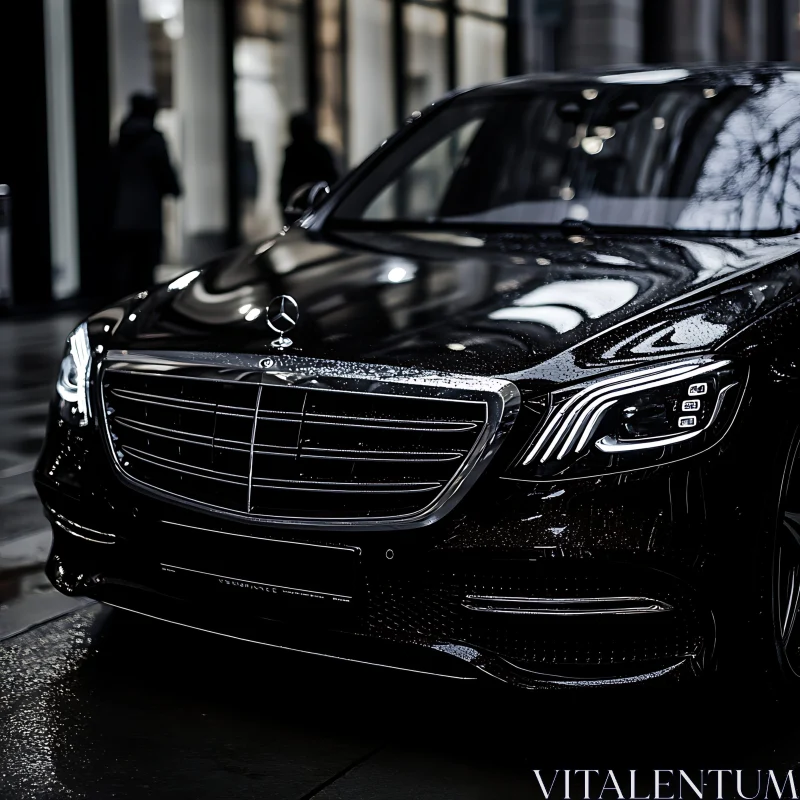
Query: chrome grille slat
(144, 397)
(180, 466)
(322, 486)
(356, 455)
(420, 423)
(173, 403)
(232, 437)
(157, 430)
(461, 429)
(275, 450)
(243, 446)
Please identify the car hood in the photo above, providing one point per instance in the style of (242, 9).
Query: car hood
(476, 304)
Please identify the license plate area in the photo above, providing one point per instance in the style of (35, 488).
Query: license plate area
(274, 577)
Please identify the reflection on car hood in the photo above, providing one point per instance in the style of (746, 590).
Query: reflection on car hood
(477, 304)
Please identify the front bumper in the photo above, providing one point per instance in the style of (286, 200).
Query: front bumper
(453, 599)
(412, 622)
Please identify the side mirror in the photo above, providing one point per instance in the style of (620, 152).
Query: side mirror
(304, 199)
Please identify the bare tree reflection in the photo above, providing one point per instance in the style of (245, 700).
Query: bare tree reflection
(751, 178)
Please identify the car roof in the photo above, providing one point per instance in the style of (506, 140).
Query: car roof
(713, 75)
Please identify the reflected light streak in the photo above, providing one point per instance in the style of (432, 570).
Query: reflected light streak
(556, 317)
(183, 281)
(264, 247)
(595, 298)
(654, 76)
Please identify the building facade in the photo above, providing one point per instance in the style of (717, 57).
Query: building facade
(229, 75)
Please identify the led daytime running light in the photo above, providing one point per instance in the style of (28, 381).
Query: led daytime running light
(80, 356)
(570, 421)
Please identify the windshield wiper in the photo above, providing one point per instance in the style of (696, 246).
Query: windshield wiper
(577, 227)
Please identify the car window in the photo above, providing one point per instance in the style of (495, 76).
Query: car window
(676, 157)
(426, 181)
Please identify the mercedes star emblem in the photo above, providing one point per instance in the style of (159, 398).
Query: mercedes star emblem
(282, 316)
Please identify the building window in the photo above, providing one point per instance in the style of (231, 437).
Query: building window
(426, 55)
(487, 8)
(331, 103)
(370, 75)
(270, 86)
(481, 50)
(733, 44)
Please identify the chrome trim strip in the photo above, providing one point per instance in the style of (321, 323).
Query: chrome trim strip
(81, 536)
(68, 525)
(346, 548)
(499, 398)
(293, 649)
(257, 583)
(564, 606)
(550, 679)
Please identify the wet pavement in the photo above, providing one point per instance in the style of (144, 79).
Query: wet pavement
(96, 703)
(30, 351)
(102, 704)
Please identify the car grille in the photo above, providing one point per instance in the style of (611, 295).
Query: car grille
(286, 451)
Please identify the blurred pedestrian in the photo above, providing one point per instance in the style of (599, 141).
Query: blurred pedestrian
(248, 171)
(249, 186)
(141, 176)
(307, 160)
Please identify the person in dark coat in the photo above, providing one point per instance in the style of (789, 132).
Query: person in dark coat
(307, 160)
(141, 176)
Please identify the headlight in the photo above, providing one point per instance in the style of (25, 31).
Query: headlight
(632, 420)
(73, 378)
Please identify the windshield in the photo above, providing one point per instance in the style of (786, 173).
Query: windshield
(674, 157)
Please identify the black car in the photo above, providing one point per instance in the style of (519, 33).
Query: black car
(518, 398)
